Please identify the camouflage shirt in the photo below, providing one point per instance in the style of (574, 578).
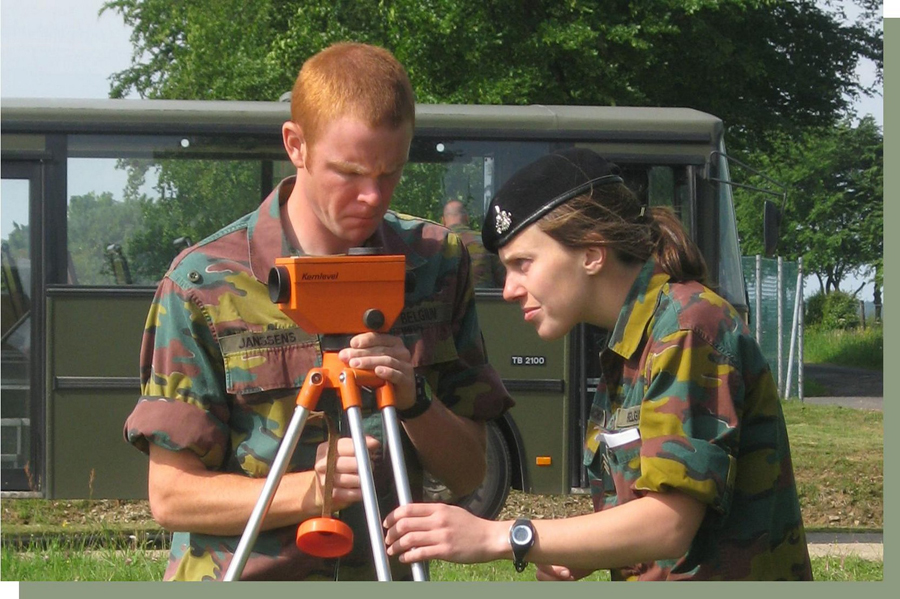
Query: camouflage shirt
(221, 367)
(686, 402)
(487, 270)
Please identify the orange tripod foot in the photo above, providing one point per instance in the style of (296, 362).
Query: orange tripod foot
(324, 537)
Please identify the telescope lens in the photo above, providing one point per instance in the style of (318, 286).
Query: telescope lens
(279, 285)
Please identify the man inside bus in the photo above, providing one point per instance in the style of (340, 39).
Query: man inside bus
(221, 364)
(487, 270)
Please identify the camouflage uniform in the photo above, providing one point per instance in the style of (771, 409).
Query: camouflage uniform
(686, 402)
(221, 367)
(487, 270)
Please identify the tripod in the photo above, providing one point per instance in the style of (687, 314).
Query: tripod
(326, 537)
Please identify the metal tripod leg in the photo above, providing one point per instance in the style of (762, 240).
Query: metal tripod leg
(276, 473)
(370, 499)
(401, 480)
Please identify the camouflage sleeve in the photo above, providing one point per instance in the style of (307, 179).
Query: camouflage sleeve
(689, 420)
(183, 404)
(469, 385)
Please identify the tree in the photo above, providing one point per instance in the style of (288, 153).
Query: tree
(95, 222)
(797, 69)
(794, 71)
(834, 216)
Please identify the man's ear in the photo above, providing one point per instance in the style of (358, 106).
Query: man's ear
(294, 143)
(594, 258)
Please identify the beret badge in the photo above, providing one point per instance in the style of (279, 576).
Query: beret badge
(502, 220)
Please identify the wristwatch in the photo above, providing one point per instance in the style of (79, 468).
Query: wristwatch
(422, 403)
(521, 538)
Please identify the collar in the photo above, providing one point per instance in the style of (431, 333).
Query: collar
(640, 304)
(267, 241)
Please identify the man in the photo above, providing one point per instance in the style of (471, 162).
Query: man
(487, 270)
(221, 365)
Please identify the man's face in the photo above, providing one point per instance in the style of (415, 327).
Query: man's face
(350, 176)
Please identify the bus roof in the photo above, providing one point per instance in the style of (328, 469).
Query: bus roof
(622, 123)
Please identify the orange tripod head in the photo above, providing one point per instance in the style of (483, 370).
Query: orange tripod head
(339, 295)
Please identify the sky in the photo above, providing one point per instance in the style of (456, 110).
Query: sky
(63, 49)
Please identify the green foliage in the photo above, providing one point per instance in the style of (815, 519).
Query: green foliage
(798, 69)
(834, 215)
(862, 348)
(835, 310)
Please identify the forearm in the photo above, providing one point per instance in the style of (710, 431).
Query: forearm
(613, 538)
(452, 448)
(184, 497)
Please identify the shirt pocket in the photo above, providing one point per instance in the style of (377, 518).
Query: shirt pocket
(267, 360)
(624, 454)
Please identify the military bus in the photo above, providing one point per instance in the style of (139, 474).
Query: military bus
(98, 196)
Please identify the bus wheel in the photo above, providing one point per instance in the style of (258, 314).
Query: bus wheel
(487, 500)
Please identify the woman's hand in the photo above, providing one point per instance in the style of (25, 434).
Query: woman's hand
(388, 358)
(424, 531)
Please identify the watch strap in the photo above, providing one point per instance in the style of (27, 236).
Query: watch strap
(421, 405)
(520, 548)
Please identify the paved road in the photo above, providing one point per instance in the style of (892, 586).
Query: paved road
(845, 386)
(868, 545)
(862, 403)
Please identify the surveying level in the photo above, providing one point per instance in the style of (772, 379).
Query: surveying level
(338, 297)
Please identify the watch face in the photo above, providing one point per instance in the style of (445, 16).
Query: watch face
(521, 535)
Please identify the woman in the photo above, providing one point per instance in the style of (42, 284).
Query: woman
(686, 448)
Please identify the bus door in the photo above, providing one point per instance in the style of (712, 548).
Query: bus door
(21, 411)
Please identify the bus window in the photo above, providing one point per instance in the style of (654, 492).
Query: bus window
(444, 169)
(730, 273)
(133, 200)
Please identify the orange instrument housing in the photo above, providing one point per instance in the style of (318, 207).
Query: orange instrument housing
(340, 294)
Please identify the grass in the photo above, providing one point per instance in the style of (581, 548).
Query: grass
(67, 563)
(860, 348)
(61, 561)
(838, 456)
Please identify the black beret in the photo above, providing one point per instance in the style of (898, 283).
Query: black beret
(541, 186)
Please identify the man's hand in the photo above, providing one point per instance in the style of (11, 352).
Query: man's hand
(546, 572)
(388, 358)
(451, 447)
(345, 482)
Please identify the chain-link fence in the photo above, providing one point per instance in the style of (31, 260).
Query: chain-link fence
(775, 297)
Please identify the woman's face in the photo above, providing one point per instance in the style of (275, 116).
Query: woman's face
(548, 280)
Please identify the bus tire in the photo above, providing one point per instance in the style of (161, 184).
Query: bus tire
(487, 500)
